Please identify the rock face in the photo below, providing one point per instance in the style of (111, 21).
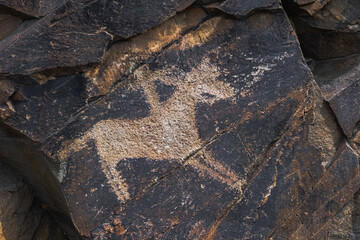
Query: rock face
(183, 119)
(21, 216)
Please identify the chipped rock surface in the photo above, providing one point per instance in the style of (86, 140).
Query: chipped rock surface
(182, 119)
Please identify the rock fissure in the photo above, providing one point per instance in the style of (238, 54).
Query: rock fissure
(182, 119)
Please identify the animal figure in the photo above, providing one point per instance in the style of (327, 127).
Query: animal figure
(168, 132)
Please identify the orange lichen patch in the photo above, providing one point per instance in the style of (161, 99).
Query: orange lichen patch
(205, 32)
(168, 133)
(122, 57)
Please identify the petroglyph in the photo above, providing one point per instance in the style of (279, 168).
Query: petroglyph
(124, 56)
(168, 133)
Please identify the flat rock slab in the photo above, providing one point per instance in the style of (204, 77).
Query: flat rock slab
(124, 56)
(207, 128)
(327, 29)
(33, 8)
(152, 162)
(76, 34)
(346, 108)
(339, 81)
(336, 15)
(240, 9)
(46, 108)
(9, 23)
(18, 219)
(21, 217)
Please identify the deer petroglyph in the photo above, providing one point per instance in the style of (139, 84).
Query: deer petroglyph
(168, 133)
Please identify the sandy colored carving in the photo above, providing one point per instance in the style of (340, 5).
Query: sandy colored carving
(217, 170)
(206, 32)
(122, 57)
(168, 133)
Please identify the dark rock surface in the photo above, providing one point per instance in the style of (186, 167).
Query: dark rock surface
(76, 34)
(341, 88)
(327, 28)
(33, 8)
(247, 6)
(183, 119)
(22, 217)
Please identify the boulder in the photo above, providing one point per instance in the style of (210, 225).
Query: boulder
(183, 119)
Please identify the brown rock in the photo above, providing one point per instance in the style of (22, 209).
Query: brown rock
(245, 7)
(162, 120)
(77, 29)
(8, 24)
(124, 57)
(33, 8)
(339, 80)
(7, 88)
(21, 217)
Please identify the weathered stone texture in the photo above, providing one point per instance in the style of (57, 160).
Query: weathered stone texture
(33, 8)
(327, 29)
(341, 88)
(123, 57)
(8, 24)
(17, 221)
(183, 119)
(247, 7)
(76, 34)
(210, 99)
(21, 217)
